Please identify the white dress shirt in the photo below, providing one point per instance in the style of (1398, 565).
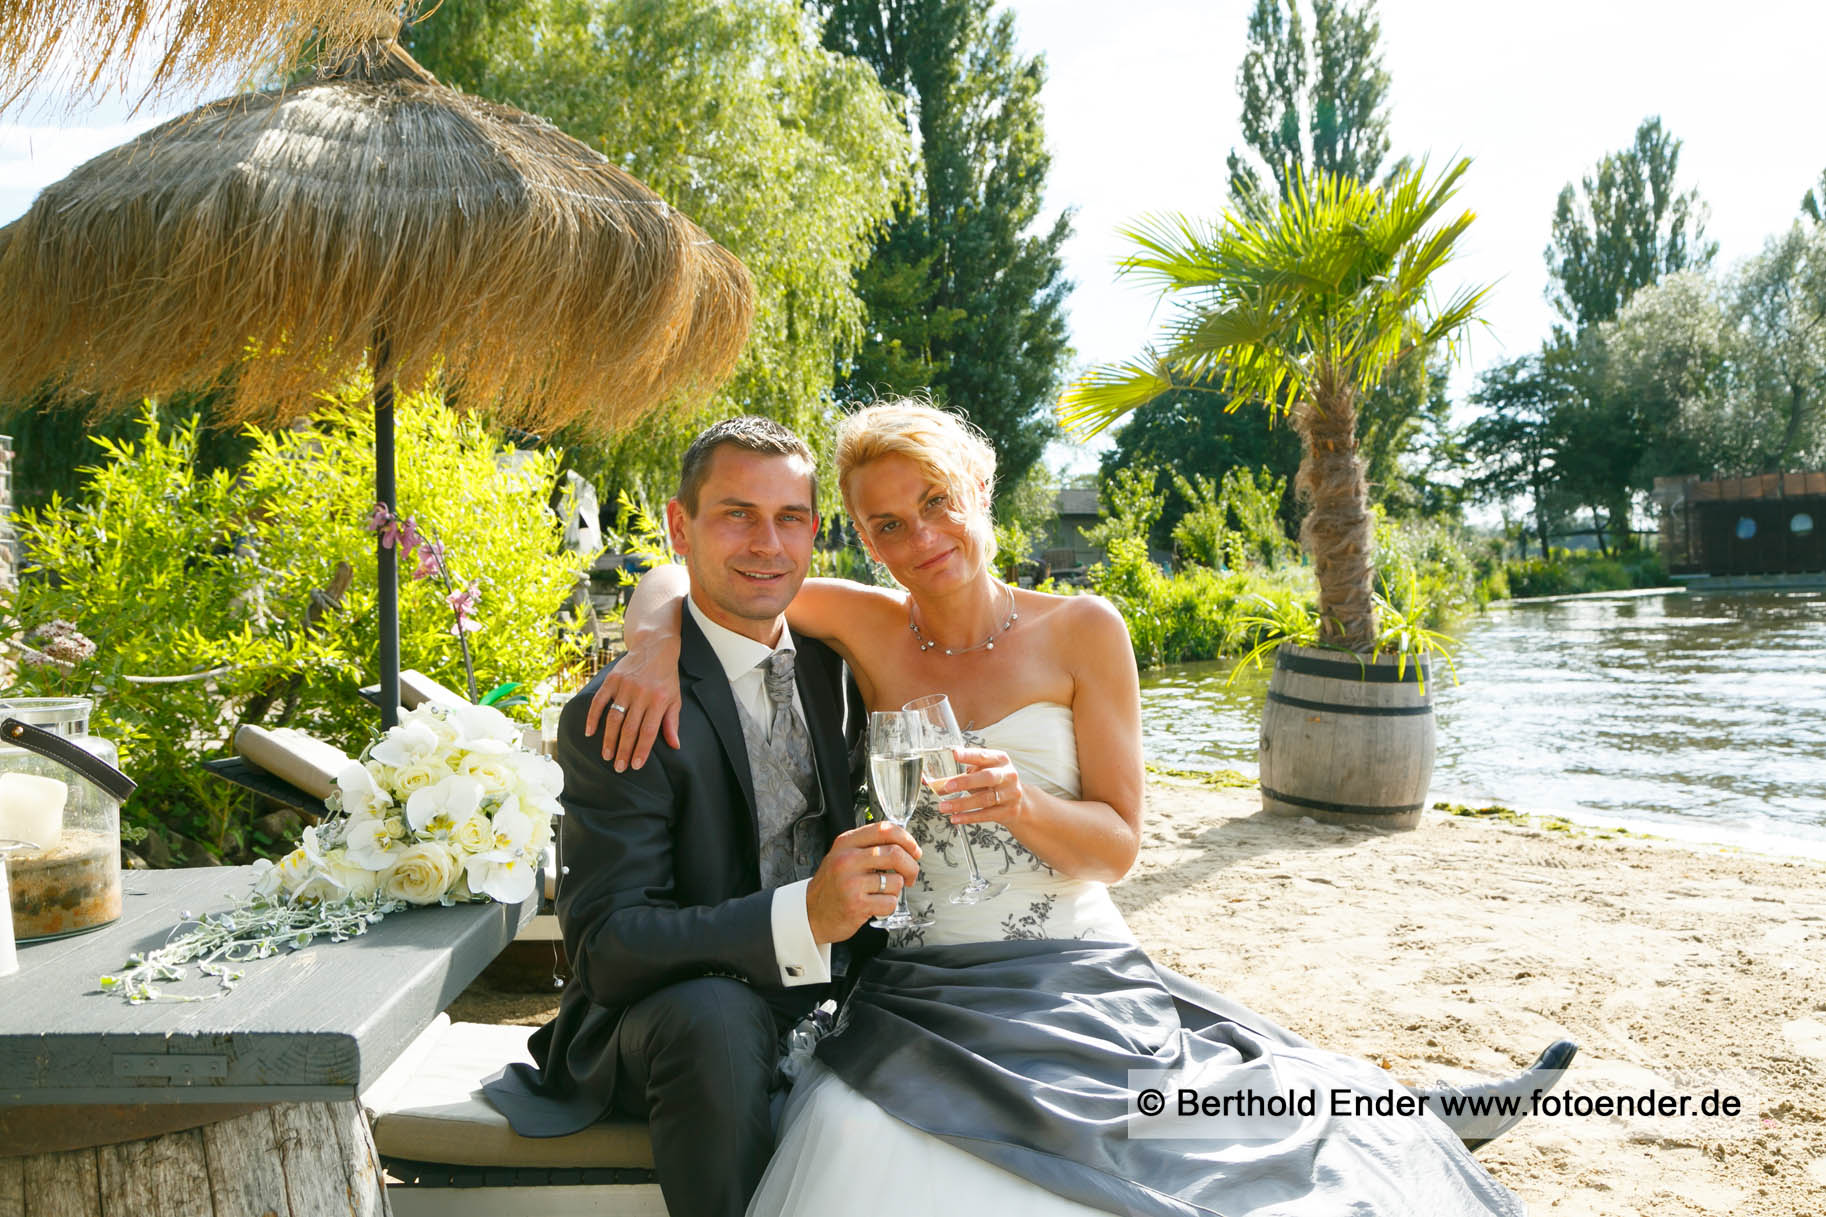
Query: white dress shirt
(801, 960)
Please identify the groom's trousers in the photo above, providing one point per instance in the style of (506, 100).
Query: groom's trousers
(697, 1061)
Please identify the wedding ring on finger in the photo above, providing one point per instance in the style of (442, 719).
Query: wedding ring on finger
(882, 878)
(997, 793)
(619, 709)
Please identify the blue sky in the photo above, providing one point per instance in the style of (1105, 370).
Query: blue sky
(1141, 108)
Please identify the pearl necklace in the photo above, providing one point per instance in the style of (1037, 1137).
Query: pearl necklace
(987, 644)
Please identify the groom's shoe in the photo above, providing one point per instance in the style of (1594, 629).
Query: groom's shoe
(1481, 1112)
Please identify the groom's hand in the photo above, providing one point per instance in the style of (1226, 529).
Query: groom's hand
(860, 878)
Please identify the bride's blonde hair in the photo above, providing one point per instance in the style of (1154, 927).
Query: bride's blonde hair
(946, 447)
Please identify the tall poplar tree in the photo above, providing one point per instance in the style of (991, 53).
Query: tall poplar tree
(965, 298)
(1626, 226)
(1323, 108)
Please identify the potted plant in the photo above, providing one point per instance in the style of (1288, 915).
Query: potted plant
(1304, 307)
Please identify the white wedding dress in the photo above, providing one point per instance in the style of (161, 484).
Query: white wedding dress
(841, 1154)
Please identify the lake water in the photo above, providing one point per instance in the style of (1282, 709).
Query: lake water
(1688, 715)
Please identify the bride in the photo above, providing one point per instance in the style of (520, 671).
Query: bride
(989, 1063)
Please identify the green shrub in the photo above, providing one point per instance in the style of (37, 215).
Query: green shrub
(1570, 573)
(1233, 523)
(171, 572)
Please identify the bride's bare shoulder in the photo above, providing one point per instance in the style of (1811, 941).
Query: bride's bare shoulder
(1081, 612)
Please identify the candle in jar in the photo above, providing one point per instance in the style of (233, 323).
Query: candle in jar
(31, 808)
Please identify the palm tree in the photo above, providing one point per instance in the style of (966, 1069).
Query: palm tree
(1304, 307)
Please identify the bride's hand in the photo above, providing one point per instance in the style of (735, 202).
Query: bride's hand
(988, 791)
(635, 700)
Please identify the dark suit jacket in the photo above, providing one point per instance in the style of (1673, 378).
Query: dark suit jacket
(663, 874)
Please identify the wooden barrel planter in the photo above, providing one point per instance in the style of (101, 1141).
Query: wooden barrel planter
(1346, 740)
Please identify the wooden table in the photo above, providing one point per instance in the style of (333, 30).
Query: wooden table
(235, 1107)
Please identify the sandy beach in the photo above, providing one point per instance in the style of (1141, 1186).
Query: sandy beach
(1459, 949)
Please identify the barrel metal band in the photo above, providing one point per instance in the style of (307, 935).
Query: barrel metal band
(1334, 708)
(1342, 669)
(1349, 808)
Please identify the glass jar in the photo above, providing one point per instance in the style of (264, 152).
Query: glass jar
(59, 833)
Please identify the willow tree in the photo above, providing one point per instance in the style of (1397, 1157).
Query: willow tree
(1303, 309)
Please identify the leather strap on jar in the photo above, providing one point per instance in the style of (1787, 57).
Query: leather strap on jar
(112, 781)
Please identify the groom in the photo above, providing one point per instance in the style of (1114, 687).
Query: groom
(704, 891)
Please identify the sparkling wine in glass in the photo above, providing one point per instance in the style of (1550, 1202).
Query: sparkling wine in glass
(894, 771)
(939, 736)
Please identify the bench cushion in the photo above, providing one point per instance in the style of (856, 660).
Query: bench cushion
(428, 1107)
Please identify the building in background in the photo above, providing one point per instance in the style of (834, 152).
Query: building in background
(1767, 530)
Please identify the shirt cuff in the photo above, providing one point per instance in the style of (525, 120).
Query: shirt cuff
(802, 961)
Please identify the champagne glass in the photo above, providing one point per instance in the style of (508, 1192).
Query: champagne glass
(938, 736)
(894, 767)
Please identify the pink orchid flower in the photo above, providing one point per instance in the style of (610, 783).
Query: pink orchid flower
(430, 561)
(462, 602)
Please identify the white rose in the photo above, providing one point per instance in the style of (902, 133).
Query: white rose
(304, 875)
(419, 775)
(473, 835)
(396, 827)
(422, 873)
(355, 880)
(492, 770)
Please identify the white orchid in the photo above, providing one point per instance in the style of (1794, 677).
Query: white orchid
(537, 774)
(404, 744)
(432, 715)
(483, 723)
(509, 870)
(509, 879)
(513, 828)
(440, 808)
(370, 842)
(358, 792)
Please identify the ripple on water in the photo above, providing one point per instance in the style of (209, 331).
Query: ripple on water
(1679, 708)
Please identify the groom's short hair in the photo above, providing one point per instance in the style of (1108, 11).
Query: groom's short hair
(747, 431)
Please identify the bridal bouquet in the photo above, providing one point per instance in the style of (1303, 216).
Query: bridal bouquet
(447, 806)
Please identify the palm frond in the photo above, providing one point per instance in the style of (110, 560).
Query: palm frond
(1104, 394)
(1334, 277)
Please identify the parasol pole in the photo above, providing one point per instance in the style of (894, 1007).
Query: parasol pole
(385, 491)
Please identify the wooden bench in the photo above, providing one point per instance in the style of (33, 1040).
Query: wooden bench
(448, 1152)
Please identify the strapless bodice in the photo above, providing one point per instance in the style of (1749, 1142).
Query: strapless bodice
(1041, 739)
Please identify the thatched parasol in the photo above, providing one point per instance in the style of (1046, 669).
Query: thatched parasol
(268, 244)
(82, 47)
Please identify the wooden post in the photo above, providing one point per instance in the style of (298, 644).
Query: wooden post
(289, 1160)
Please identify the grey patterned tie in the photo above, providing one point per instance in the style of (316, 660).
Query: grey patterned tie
(786, 785)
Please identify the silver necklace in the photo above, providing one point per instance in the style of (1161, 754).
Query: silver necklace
(987, 644)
